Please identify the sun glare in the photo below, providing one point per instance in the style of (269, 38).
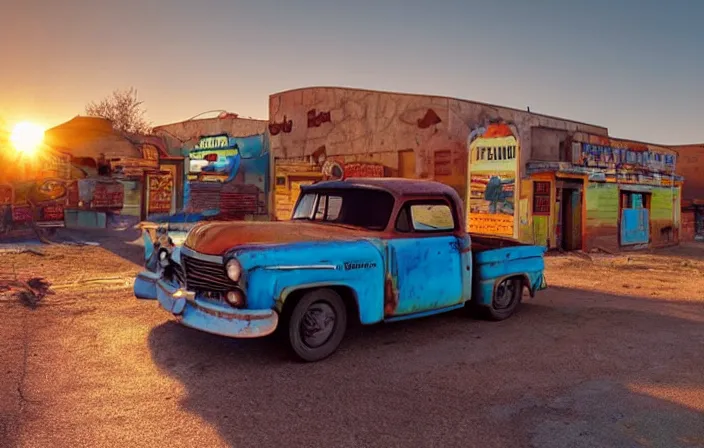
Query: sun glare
(26, 137)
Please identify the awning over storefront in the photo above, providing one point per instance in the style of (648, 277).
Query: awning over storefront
(609, 175)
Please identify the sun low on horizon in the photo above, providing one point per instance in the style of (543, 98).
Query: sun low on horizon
(27, 136)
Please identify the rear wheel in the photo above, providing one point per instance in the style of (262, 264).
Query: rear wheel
(317, 325)
(507, 297)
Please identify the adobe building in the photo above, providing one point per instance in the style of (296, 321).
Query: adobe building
(223, 171)
(110, 169)
(690, 165)
(607, 193)
(541, 179)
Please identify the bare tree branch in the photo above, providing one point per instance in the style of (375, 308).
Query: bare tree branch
(123, 109)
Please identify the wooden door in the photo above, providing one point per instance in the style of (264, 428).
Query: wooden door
(407, 164)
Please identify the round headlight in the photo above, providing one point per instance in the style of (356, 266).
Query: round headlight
(234, 270)
(163, 254)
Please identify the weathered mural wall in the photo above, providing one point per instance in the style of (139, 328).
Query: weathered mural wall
(541, 179)
(418, 136)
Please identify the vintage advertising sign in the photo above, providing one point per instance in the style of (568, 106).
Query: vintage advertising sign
(493, 167)
(333, 169)
(54, 212)
(161, 187)
(213, 142)
(21, 214)
(107, 195)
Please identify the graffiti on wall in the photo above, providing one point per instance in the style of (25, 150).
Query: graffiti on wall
(228, 177)
(493, 167)
(316, 119)
(286, 126)
(430, 118)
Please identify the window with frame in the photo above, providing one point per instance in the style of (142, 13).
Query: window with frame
(364, 208)
(541, 198)
(433, 216)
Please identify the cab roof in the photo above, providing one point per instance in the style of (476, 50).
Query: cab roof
(394, 185)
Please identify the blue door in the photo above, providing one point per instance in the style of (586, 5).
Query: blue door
(635, 226)
(428, 273)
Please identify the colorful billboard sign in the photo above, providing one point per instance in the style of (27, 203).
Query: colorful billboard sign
(493, 168)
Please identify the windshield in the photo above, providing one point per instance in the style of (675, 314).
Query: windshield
(369, 209)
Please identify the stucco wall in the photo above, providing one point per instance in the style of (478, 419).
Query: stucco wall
(690, 165)
(186, 133)
(363, 122)
(548, 144)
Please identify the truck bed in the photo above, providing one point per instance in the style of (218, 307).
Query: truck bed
(481, 243)
(495, 258)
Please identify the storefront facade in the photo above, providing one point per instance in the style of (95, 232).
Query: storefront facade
(323, 132)
(612, 195)
(225, 173)
(110, 171)
(543, 180)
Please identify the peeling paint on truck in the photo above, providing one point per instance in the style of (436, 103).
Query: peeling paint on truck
(243, 279)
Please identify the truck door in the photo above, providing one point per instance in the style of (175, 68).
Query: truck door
(425, 262)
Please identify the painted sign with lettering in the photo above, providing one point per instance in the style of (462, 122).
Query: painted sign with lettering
(161, 187)
(493, 166)
(54, 212)
(214, 142)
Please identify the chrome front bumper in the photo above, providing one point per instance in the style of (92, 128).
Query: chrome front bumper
(202, 315)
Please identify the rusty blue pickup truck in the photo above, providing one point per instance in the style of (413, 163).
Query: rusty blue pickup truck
(367, 249)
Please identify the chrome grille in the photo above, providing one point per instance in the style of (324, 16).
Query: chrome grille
(179, 276)
(204, 275)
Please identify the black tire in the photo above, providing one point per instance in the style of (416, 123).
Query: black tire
(507, 297)
(317, 325)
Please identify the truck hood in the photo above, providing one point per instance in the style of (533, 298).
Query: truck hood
(216, 238)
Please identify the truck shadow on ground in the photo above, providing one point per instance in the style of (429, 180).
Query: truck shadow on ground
(562, 372)
(126, 244)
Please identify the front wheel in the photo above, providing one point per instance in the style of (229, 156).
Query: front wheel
(507, 297)
(317, 325)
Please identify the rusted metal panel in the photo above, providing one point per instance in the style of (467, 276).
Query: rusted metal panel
(428, 273)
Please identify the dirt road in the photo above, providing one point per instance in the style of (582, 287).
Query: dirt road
(612, 355)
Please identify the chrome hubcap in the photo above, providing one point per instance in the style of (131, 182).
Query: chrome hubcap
(505, 293)
(317, 324)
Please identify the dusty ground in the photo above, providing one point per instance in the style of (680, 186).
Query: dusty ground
(612, 355)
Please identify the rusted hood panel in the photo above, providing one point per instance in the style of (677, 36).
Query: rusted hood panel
(216, 238)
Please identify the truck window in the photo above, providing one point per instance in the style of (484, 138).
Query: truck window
(426, 217)
(328, 208)
(369, 209)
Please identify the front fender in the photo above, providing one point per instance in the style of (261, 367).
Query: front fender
(273, 273)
